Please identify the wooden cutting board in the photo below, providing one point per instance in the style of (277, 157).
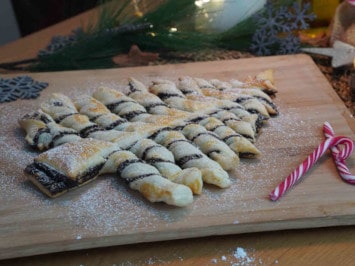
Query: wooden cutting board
(106, 212)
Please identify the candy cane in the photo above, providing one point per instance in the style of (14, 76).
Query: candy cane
(339, 156)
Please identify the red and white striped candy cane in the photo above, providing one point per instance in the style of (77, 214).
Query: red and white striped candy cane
(339, 156)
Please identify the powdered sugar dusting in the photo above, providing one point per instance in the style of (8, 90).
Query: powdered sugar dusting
(238, 256)
(242, 256)
(112, 200)
(107, 207)
(254, 179)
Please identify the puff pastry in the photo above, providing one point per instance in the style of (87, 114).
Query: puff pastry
(59, 170)
(165, 140)
(69, 166)
(125, 140)
(120, 104)
(229, 92)
(73, 164)
(245, 128)
(237, 88)
(187, 155)
(239, 144)
(223, 154)
(263, 81)
(145, 149)
(251, 104)
(163, 114)
(43, 133)
(212, 172)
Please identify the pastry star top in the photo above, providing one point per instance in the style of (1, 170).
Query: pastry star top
(341, 53)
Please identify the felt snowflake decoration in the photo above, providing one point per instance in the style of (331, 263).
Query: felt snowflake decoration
(261, 43)
(23, 87)
(300, 16)
(276, 27)
(272, 19)
(289, 45)
(59, 42)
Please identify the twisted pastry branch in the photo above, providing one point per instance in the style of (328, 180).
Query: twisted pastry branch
(239, 144)
(146, 149)
(232, 114)
(79, 161)
(155, 154)
(215, 148)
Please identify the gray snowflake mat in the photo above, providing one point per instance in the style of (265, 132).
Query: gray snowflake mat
(23, 87)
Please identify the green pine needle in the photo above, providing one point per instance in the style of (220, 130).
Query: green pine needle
(171, 29)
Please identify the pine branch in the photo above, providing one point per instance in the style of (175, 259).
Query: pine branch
(16, 65)
(118, 27)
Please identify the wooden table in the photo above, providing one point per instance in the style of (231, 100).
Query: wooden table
(322, 246)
